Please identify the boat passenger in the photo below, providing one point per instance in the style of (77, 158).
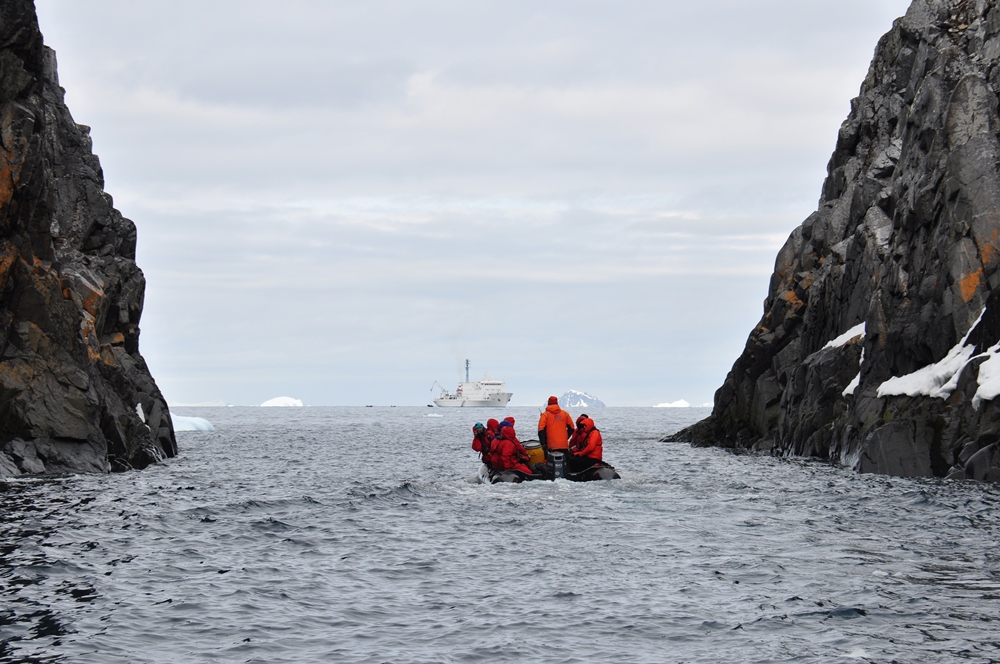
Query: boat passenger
(506, 431)
(492, 425)
(578, 435)
(482, 442)
(591, 447)
(555, 426)
(509, 454)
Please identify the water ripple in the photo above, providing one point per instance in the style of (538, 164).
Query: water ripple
(238, 550)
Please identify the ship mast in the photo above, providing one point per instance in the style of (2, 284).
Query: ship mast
(466, 371)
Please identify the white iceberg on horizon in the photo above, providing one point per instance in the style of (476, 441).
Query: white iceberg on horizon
(675, 404)
(282, 402)
(182, 423)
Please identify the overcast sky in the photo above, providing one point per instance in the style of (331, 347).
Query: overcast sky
(341, 201)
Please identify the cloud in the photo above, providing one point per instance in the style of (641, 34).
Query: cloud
(333, 198)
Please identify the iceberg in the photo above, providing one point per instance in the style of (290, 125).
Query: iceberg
(282, 402)
(577, 399)
(675, 404)
(182, 423)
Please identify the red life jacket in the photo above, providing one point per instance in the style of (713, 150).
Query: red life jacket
(507, 456)
(483, 444)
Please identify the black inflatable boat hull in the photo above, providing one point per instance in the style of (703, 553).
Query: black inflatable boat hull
(599, 471)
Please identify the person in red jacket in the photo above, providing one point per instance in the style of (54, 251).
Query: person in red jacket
(482, 442)
(590, 449)
(509, 454)
(555, 426)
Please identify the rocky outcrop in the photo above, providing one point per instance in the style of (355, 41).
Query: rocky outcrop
(882, 318)
(75, 394)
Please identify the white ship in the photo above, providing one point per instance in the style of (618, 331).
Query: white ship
(485, 393)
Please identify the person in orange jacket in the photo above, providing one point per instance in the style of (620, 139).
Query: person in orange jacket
(555, 426)
(590, 444)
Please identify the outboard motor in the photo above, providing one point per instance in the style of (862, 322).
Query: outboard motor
(558, 465)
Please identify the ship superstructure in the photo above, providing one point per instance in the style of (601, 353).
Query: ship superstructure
(485, 393)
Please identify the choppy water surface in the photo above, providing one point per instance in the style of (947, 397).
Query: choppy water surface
(339, 534)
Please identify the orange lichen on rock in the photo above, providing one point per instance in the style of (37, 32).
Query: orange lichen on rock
(970, 283)
(89, 334)
(92, 299)
(7, 259)
(10, 173)
(989, 250)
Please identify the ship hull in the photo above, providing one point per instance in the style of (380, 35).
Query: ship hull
(498, 400)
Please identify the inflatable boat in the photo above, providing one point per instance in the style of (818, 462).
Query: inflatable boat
(555, 467)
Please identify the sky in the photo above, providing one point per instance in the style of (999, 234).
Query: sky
(340, 201)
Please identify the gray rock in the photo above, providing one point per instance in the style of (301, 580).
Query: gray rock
(71, 294)
(906, 239)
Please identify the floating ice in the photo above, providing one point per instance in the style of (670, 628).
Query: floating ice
(282, 402)
(675, 404)
(182, 423)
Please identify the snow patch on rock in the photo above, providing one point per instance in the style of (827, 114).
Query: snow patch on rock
(856, 332)
(937, 380)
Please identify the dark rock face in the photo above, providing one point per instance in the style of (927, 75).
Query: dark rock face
(75, 394)
(906, 245)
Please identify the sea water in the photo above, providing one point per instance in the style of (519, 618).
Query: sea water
(362, 535)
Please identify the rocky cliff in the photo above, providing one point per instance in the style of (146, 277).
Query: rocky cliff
(75, 394)
(879, 336)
